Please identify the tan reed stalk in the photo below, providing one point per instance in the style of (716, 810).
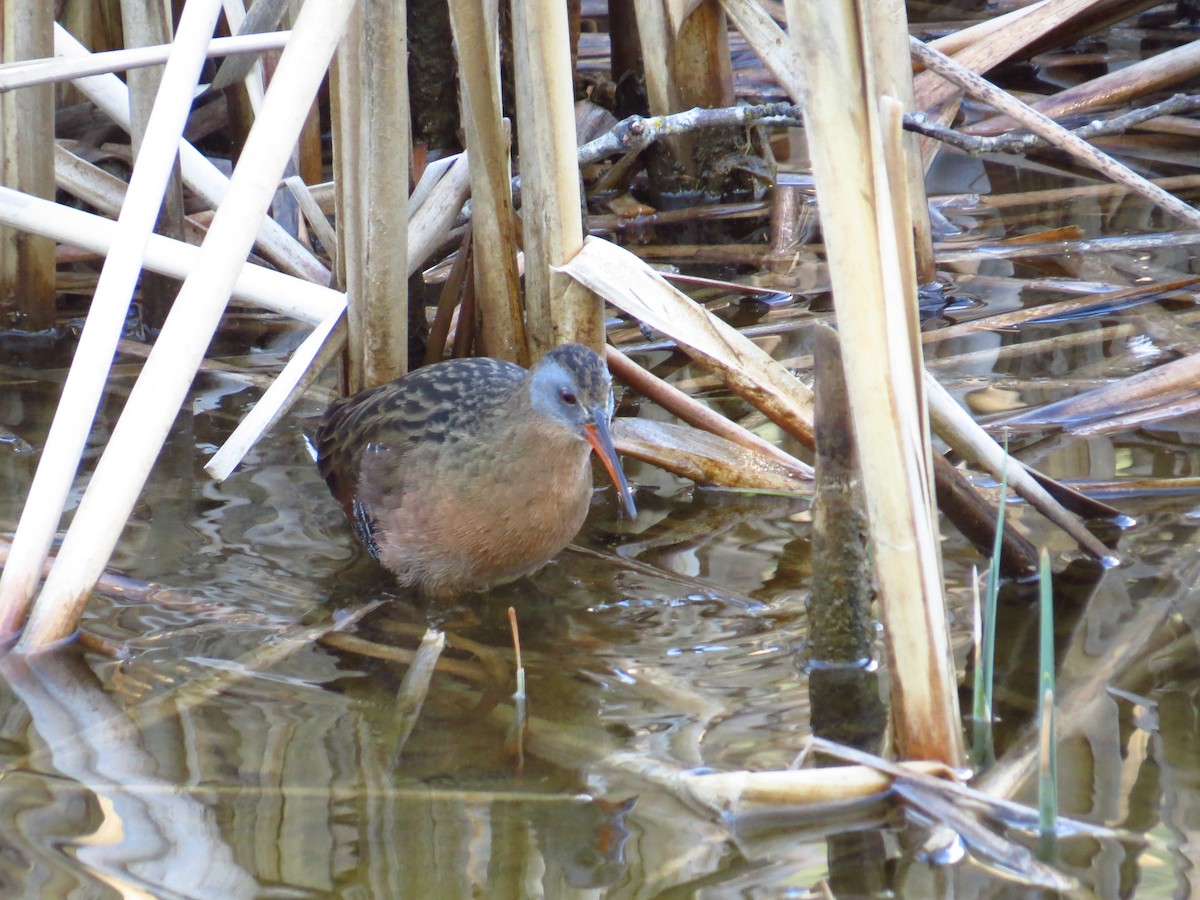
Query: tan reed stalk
(995, 44)
(696, 414)
(983, 31)
(146, 24)
(51, 69)
(438, 201)
(956, 427)
(633, 287)
(247, 70)
(371, 150)
(703, 457)
(274, 401)
(656, 34)
(256, 284)
(168, 372)
(888, 25)
(414, 688)
(260, 17)
(770, 43)
(89, 369)
(701, 69)
(869, 247)
(91, 184)
(551, 212)
(312, 212)
(27, 298)
(990, 47)
(497, 286)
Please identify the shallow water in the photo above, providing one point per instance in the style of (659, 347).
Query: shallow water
(222, 759)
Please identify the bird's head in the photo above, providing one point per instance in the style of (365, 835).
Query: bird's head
(570, 388)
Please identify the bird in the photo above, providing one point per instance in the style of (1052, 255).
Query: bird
(470, 473)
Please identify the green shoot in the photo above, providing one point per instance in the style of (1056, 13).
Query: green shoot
(982, 747)
(1048, 755)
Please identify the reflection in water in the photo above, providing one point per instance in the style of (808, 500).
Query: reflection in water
(152, 835)
(283, 782)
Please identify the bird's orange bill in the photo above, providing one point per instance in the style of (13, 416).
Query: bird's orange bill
(601, 441)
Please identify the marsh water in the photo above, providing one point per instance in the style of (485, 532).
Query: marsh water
(209, 742)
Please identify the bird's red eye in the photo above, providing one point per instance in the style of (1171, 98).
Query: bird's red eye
(568, 397)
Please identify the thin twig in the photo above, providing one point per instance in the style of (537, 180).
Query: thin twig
(639, 132)
(1024, 141)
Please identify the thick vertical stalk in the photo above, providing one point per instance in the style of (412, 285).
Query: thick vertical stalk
(870, 268)
(497, 287)
(26, 134)
(372, 151)
(888, 25)
(551, 205)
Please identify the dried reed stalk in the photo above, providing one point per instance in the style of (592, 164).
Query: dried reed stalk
(168, 372)
(995, 42)
(632, 286)
(551, 212)
(371, 150)
(106, 316)
(696, 414)
(655, 34)
(51, 69)
(300, 371)
(27, 297)
(769, 43)
(887, 24)
(91, 184)
(312, 212)
(146, 24)
(255, 284)
(703, 457)
(260, 17)
(476, 38)
(438, 201)
(991, 46)
(720, 794)
(956, 427)
(870, 254)
(247, 69)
